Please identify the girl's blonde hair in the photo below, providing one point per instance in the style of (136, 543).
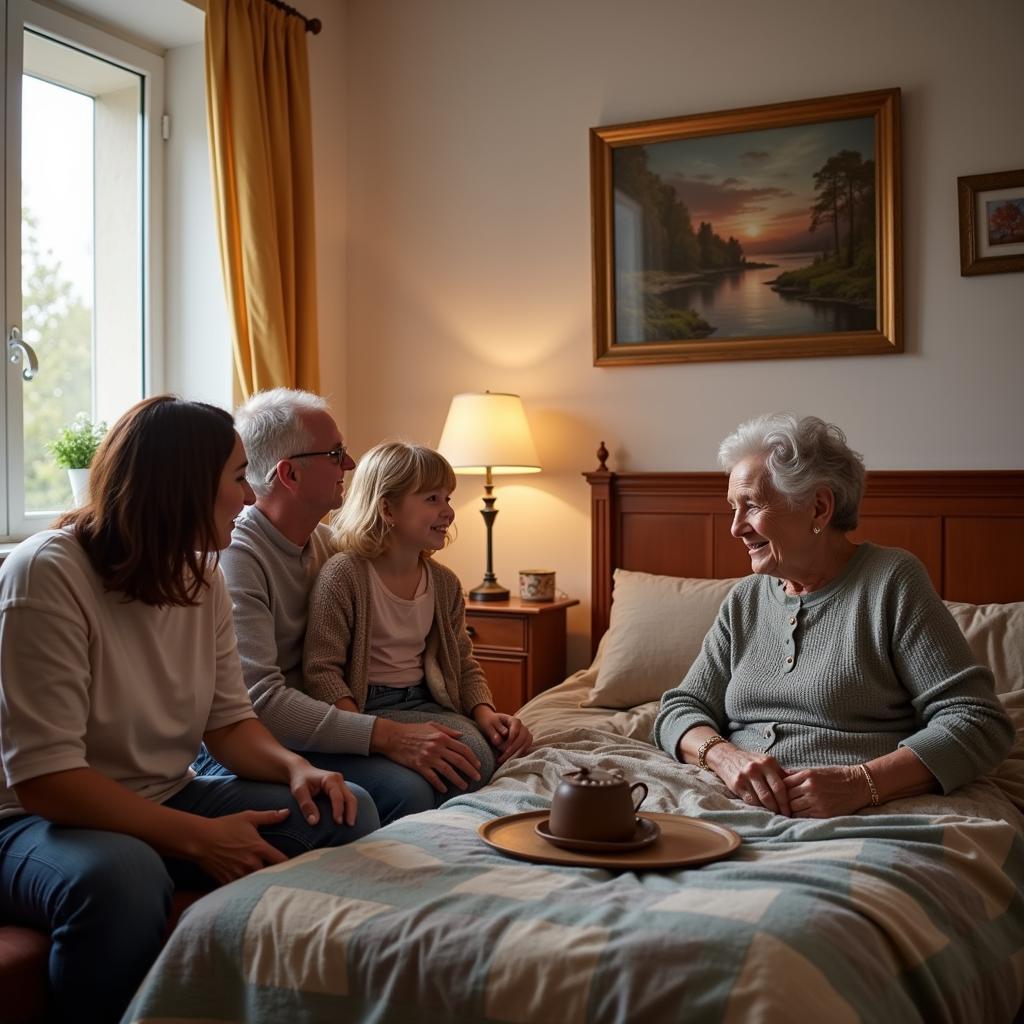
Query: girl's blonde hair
(392, 470)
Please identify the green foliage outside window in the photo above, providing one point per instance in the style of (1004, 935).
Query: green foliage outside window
(57, 323)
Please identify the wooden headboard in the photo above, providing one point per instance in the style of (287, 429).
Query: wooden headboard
(966, 527)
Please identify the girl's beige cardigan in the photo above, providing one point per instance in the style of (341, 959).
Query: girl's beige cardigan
(337, 648)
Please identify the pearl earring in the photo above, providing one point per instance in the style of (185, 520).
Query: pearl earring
(816, 529)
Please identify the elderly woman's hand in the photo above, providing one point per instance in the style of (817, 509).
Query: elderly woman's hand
(827, 792)
(757, 779)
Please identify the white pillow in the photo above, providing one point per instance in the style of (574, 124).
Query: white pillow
(996, 635)
(656, 629)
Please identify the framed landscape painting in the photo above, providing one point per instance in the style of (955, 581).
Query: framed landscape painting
(768, 232)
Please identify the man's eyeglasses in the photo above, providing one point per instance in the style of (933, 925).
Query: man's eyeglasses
(336, 455)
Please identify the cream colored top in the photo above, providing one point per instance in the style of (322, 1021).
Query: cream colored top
(91, 680)
(398, 631)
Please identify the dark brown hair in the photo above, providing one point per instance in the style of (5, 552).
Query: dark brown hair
(148, 527)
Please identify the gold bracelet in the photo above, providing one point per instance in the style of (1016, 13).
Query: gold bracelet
(702, 750)
(871, 784)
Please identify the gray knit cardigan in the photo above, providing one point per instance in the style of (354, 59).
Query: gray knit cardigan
(848, 673)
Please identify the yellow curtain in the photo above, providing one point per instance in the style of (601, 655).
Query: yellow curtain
(261, 144)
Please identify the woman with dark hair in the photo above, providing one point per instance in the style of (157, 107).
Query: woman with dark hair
(117, 658)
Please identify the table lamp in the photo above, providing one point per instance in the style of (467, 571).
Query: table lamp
(486, 434)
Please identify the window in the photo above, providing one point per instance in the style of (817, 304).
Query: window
(79, 246)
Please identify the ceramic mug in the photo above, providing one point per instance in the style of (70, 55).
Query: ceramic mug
(595, 805)
(537, 584)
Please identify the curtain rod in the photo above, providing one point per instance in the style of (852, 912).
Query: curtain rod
(313, 25)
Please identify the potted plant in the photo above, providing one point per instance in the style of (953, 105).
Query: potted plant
(74, 448)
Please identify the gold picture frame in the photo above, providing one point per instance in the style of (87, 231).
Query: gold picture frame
(666, 291)
(989, 243)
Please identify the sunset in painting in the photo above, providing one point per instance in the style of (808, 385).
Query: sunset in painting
(748, 234)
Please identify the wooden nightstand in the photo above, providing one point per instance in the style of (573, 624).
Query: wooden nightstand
(520, 646)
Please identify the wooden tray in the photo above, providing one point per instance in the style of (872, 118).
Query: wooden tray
(684, 842)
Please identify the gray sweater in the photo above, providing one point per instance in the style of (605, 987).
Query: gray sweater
(269, 579)
(872, 662)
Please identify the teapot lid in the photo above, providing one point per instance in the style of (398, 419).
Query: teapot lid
(593, 777)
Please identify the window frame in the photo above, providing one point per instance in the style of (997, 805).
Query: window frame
(26, 14)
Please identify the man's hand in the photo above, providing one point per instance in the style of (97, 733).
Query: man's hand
(429, 748)
(506, 733)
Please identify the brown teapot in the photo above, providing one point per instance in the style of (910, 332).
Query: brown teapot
(596, 806)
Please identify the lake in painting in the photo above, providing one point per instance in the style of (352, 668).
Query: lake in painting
(743, 304)
(747, 235)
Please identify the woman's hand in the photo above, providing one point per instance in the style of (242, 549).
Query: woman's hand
(306, 782)
(229, 847)
(827, 792)
(429, 748)
(505, 733)
(756, 779)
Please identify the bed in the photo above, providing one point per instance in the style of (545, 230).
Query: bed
(912, 911)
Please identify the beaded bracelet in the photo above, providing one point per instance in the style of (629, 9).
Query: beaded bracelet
(871, 784)
(702, 750)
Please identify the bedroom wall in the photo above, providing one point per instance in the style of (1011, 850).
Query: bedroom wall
(197, 327)
(466, 208)
(328, 83)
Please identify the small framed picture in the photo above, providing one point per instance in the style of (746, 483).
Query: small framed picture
(991, 223)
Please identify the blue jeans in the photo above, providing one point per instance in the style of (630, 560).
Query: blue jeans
(104, 896)
(395, 789)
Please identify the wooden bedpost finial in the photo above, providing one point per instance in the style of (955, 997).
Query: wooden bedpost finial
(602, 458)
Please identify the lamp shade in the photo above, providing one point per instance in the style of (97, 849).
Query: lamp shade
(488, 431)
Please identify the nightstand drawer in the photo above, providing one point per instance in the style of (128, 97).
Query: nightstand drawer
(507, 681)
(520, 646)
(507, 633)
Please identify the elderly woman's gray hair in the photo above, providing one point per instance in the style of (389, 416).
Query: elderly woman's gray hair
(271, 428)
(801, 454)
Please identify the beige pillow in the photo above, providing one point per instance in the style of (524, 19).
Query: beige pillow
(657, 626)
(996, 635)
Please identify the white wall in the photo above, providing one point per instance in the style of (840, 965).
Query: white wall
(466, 202)
(197, 333)
(328, 62)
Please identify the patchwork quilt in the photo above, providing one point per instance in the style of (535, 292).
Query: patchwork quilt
(912, 911)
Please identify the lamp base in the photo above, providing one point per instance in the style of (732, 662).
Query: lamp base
(489, 592)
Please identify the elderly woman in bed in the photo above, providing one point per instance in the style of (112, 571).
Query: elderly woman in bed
(834, 677)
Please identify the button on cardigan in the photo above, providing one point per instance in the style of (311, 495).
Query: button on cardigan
(873, 661)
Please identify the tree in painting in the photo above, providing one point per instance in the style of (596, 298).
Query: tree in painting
(1006, 222)
(671, 252)
(845, 201)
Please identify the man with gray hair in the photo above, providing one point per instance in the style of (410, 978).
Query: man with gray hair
(297, 464)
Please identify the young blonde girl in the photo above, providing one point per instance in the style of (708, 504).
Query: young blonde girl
(387, 631)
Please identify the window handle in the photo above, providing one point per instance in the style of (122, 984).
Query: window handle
(19, 350)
